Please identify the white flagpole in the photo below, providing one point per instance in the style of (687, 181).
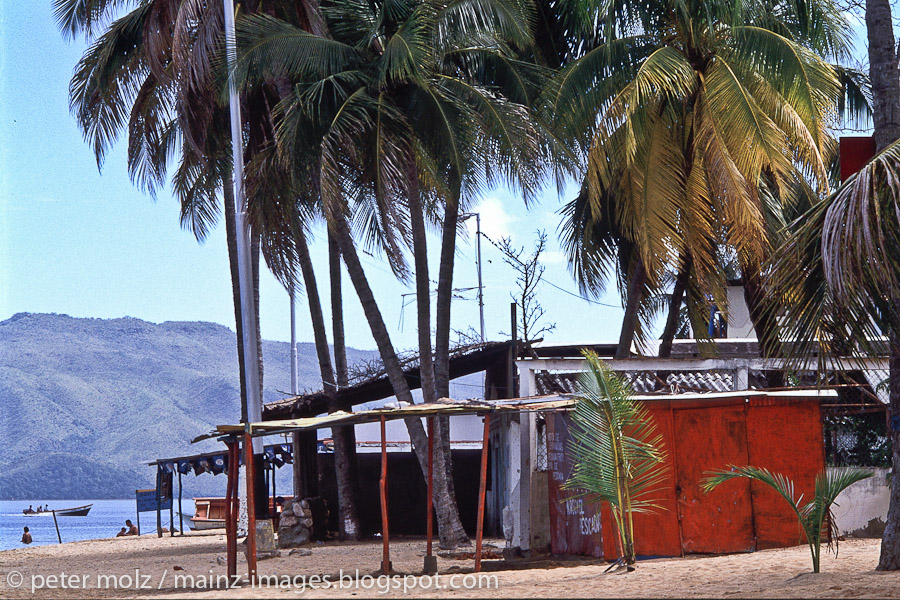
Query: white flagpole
(245, 267)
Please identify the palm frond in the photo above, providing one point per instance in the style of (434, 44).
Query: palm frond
(616, 450)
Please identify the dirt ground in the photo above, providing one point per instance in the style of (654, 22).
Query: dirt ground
(193, 567)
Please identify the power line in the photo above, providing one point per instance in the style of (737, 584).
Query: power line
(548, 282)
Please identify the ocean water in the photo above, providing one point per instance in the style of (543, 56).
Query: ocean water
(105, 520)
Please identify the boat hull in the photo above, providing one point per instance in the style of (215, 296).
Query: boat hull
(76, 511)
(204, 524)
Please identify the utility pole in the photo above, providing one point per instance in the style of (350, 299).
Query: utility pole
(477, 216)
(480, 288)
(245, 288)
(294, 389)
(245, 266)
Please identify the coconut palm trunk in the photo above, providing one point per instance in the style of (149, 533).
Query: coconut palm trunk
(889, 560)
(339, 346)
(885, 78)
(231, 241)
(668, 335)
(337, 313)
(636, 282)
(455, 532)
(343, 447)
(445, 505)
(423, 297)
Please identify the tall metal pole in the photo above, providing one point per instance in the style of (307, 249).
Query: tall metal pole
(245, 266)
(294, 389)
(480, 288)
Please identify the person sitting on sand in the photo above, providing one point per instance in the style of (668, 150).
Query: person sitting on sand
(122, 532)
(132, 528)
(26, 536)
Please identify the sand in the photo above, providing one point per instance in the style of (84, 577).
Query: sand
(148, 567)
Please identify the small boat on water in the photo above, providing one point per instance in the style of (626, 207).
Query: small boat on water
(75, 511)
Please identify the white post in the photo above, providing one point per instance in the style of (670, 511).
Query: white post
(245, 266)
(480, 289)
(294, 389)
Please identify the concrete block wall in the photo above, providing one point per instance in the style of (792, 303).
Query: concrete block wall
(861, 510)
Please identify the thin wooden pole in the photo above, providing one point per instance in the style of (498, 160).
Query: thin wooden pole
(180, 510)
(251, 508)
(386, 551)
(59, 537)
(230, 509)
(171, 508)
(482, 487)
(430, 560)
(158, 501)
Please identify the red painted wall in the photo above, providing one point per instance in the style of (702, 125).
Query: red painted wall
(780, 433)
(854, 153)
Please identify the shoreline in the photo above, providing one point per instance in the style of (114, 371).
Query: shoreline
(198, 560)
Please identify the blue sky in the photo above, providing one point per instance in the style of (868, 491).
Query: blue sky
(90, 244)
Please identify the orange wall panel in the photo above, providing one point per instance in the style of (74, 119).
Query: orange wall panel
(785, 437)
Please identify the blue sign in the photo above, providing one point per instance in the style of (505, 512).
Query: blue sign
(146, 501)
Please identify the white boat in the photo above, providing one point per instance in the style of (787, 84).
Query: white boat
(75, 511)
(209, 513)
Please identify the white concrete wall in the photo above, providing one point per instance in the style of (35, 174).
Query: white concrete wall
(861, 509)
(739, 323)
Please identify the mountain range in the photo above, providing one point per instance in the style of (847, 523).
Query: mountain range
(86, 403)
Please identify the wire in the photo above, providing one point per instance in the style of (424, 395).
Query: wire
(548, 282)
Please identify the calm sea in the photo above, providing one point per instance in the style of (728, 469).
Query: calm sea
(104, 520)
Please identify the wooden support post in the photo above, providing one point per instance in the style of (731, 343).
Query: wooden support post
(513, 355)
(171, 512)
(59, 537)
(482, 487)
(231, 509)
(180, 510)
(251, 508)
(386, 552)
(158, 501)
(430, 560)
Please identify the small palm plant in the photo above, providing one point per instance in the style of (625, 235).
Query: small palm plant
(814, 516)
(617, 452)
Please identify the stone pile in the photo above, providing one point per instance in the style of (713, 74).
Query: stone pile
(295, 525)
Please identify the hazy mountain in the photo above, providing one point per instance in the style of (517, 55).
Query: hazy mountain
(85, 403)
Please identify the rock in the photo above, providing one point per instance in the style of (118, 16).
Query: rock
(266, 555)
(221, 560)
(291, 537)
(297, 507)
(304, 504)
(300, 552)
(286, 521)
(308, 523)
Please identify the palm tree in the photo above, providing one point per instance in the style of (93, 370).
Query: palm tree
(837, 279)
(151, 73)
(705, 111)
(415, 107)
(617, 451)
(883, 71)
(814, 516)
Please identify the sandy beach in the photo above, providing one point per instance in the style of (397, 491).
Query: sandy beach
(193, 567)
